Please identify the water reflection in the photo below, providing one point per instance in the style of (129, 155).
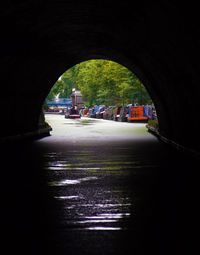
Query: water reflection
(71, 182)
(88, 192)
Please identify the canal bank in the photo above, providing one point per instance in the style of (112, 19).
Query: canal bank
(179, 147)
(43, 129)
(32, 135)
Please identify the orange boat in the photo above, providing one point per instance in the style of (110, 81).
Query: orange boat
(137, 114)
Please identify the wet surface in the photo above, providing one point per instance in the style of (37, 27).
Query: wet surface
(98, 187)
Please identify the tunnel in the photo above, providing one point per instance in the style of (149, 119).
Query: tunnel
(157, 41)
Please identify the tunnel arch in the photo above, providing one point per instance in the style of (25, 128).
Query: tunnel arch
(147, 81)
(149, 88)
(156, 41)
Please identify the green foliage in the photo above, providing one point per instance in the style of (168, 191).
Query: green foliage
(153, 123)
(102, 82)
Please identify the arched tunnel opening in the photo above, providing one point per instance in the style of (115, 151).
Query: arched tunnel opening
(101, 89)
(75, 197)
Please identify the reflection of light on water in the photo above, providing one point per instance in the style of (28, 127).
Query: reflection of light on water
(96, 221)
(87, 201)
(66, 197)
(103, 228)
(94, 216)
(104, 205)
(66, 182)
(101, 205)
(104, 218)
(61, 168)
(72, 182)
(110, 215)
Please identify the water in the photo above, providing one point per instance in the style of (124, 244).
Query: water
(98, 187)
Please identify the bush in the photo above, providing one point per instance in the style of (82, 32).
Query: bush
(153, 123)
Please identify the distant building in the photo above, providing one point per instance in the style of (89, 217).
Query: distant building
(76, 98)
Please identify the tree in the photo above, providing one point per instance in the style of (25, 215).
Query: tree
(102, 82)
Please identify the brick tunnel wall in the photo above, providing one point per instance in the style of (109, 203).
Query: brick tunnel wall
(157, 41)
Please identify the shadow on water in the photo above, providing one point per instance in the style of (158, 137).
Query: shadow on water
(114, 198)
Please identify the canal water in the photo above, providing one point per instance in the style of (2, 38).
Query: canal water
(98, 187)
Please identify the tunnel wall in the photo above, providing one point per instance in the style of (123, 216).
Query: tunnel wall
(158, 41)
